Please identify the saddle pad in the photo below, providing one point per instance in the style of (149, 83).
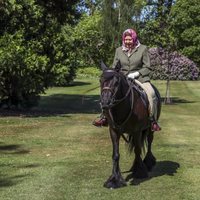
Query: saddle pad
(139, 88)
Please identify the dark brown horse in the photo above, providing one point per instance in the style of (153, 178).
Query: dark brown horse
(127, 113)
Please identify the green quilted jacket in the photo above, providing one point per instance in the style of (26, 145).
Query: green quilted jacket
(137, 61)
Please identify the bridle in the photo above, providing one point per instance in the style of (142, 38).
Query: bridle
(115, 102)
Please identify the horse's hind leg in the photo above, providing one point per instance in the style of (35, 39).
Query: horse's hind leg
(149, 159)
(115, 180)
(138, 169)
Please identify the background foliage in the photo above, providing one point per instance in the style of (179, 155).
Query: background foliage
(185, 28)
(171, 65)
(43, 43)
(35, 50)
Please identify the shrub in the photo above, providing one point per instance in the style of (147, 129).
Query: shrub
(22, 72)
(172, 65)
(35, 52)
(64, 57)
(90, 72)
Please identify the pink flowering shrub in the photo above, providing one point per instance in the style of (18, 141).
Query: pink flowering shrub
(172, 65)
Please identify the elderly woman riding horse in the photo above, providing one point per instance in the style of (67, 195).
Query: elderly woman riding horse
(135, 64)
(126, 108)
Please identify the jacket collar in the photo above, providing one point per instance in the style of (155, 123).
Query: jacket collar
(134, 50)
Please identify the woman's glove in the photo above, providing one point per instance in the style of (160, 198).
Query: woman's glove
(133, 75)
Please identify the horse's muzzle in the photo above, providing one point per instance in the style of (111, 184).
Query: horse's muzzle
(105, 107)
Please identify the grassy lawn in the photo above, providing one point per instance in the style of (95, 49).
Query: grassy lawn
(54, 153)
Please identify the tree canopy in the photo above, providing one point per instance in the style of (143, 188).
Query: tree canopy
(42, 43)
(186, 29)
(34, 49)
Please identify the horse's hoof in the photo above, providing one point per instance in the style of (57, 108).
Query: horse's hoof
(111, 185)
(139, 170)
(149, 161)
(114, 183)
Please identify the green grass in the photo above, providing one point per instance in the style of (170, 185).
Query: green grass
(54, 153)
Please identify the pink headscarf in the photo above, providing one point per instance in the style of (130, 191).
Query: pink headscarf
(134, 37)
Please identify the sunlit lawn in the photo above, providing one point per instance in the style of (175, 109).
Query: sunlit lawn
(54, 153)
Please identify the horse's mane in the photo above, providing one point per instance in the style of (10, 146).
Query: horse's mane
(109, 73)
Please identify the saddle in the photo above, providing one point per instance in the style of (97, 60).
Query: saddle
(142, 94)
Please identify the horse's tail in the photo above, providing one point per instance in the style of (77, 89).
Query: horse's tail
(133, 138)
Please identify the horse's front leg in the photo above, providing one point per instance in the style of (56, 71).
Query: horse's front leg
(115, 180)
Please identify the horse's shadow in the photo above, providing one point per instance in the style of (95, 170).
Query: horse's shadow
(161, 168)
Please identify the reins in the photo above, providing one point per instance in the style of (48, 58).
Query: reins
(119, 126)
(83, 95)
(117, 102)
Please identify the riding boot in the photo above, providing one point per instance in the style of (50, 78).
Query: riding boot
(155, 126)
(100, 122)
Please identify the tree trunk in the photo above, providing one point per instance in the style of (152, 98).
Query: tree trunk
(167, 99)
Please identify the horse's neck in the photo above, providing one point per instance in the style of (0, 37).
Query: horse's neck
(123, 109)
(125, 88)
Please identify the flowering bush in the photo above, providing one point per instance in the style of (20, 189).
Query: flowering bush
(172, 65)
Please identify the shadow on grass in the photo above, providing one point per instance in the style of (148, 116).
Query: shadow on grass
(12, 149)
(58, 104)
(61, 104)
(177, 100)
(65, 103)
(79, 83)
(6, 181)
(161, 168)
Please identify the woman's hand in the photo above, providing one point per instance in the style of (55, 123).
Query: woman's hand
(133, 75)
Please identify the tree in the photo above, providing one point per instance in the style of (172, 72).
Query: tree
(155, 25)
(91, 6)
(117, 16)
(22, 71)
(88, 40)
(33, 48)
(186, 29)
(61, 10)
(156, 31)
(180, 67)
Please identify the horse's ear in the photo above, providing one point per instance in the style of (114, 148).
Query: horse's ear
(118, 66)
(103, 66)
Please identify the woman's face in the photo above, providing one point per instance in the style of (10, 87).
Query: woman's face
(128, 41)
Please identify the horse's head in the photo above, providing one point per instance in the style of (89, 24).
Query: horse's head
(111, 82)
